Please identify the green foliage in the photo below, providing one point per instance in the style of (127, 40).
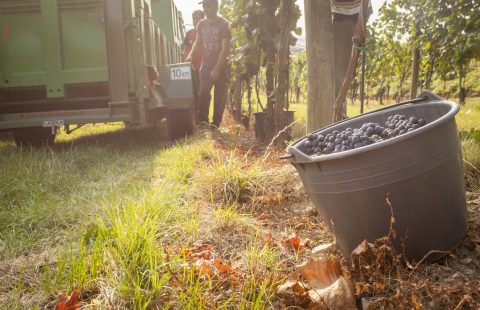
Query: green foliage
(445, 32)
(256, 29)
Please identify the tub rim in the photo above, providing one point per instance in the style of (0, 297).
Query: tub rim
(294, 155)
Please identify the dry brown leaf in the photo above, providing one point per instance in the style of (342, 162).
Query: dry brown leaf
(68, 303)
(324, 248)
(221, 266)
(358, 288)
(415, 302)
(338, 296)
(363, 247)
(379, 286)
(292, 286)
(206, 254)
(199, 246)
(173, 283)
(476, 239)
(346, 273)
(320, 272)
(367, 288)
(305, 242)
(205, 268)
(270, 198)
(293, 241)
(263, 217)
(268, 236)
(465, 261)
(300, 288)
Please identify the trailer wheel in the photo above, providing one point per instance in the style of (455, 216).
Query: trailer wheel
(33, 136)
(180, 123)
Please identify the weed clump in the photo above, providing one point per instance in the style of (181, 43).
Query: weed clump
(471, 158)
(229, 180)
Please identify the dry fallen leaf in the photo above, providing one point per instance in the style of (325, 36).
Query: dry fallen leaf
(320, 272)
(206, 254)
(199, 246)
(292, 286)
(268, 236)
(68, 303)
(324, 248)
(305, 242)
(293, 241)
(367, 288)
(346, 273)
(379, 286)
(221, 266)
(263, 217)
(415, 302)
(337, 296)
(358, 288)
(465, 261)
(363, 247)
(204, 268)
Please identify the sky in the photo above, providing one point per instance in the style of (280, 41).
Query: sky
(188, 6)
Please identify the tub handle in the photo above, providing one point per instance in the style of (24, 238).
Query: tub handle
(286, 156)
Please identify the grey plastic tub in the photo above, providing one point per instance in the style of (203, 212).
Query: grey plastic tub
(420, 172)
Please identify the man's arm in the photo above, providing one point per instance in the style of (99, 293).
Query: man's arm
(222, 59)
(196, 46)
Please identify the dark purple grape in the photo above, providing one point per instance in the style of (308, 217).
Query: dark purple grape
(421, 122)
(370, 131)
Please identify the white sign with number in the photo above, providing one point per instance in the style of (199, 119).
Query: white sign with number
(180, 73)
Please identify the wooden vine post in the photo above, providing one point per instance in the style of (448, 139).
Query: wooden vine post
(286, 8)
(320, 64)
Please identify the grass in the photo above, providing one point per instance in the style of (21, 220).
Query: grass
(99, 212)
(103, 209)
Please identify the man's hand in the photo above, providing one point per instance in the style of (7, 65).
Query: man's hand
(214, 75)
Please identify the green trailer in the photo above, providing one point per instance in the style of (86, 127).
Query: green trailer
(65, 63)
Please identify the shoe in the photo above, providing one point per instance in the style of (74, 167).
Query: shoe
(203, 125)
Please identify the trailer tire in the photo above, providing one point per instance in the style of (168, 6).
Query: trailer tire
(180, 123)
(33, 136)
